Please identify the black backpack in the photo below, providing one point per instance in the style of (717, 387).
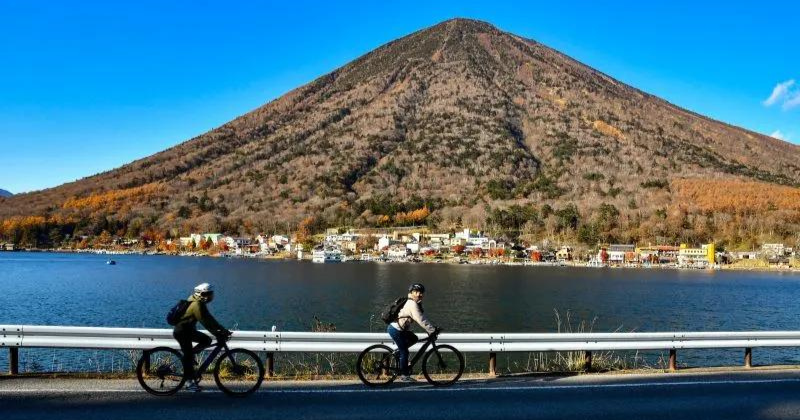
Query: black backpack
(390, 312)
(176, 313)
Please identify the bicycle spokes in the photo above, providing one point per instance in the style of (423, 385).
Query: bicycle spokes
(160, 371)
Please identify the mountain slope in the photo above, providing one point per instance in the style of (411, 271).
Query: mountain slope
(4, 193)
(461, 117)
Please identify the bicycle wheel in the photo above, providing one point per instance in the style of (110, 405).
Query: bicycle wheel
(239, 372)
(443, 365)
(376, 365)
(160, 371)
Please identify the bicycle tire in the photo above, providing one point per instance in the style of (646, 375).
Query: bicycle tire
(160, 372)
(433, 377)
(383, 368)
(254, 372)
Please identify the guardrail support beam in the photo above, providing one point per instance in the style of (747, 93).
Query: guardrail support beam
(673, 360)
(493, 364)
(748, 357)
(587, 361)
(13, 360)
(270, 364)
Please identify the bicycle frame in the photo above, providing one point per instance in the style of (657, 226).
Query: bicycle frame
(218, 347)
(421, 352)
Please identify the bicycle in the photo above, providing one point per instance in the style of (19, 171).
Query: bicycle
(442, 365)
(238, 372)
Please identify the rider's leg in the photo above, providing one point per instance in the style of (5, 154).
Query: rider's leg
(402, 348)
(187, 355)
(202, 340)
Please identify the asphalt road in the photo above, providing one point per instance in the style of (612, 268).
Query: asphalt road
(746, 395)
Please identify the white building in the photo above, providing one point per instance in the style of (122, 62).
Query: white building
(773, 250)
(617, 252)
(397, 251)
(236, 243)
(384, 242)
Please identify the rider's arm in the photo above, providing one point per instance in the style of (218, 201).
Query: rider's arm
(208, 320)
(419, 317)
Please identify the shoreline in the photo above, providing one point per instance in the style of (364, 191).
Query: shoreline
(453, 261)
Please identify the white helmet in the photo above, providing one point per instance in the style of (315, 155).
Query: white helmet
(203, 288)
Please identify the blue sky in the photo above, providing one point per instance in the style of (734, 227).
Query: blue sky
(89, 86)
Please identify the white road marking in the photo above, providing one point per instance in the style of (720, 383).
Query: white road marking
(425, 388)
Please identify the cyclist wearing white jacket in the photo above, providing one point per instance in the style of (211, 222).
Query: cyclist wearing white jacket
(399, 330)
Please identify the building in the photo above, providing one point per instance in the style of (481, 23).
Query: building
(743, 255)
(773, 250)
(397, 251)
(658, 254)
(564, 253)
(236, 242)
(621, 253)
(696, 257)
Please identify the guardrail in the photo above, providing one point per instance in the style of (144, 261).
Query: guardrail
(31, 336)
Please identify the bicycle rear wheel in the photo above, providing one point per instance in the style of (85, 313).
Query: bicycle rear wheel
(376, 365)
(239, 372)
(160, 371)
(443, 365)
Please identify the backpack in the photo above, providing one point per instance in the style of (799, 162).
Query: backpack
(391, 311)
(176, 313)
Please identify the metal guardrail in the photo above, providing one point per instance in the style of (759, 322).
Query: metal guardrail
(30, 336)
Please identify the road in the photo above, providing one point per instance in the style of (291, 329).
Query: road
(749, 395)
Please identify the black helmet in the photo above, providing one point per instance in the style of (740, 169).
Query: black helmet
(416, 286)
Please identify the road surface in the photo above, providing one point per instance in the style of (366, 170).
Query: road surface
(747, 395)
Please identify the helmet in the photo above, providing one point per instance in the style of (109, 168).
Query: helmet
(203, 291)
(416, 286)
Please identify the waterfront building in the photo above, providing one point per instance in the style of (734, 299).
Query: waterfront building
(696, 257)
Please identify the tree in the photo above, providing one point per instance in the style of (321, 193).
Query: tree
(568, 217)
(104, 238)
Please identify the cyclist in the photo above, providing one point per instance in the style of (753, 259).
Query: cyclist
(399, 330)
(186, 330)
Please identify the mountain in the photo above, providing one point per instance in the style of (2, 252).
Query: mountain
(469, 125)
(4, 193)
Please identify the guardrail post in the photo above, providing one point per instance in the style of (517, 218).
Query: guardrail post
(13, 360)
(673, 360)
(493, 364)
(587, 360)
(270, 364)
(748, 357)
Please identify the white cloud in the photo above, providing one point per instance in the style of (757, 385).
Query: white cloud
(792, 100)
(778, 135)
(781, 92)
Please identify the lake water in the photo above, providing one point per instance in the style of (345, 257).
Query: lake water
(81, 290)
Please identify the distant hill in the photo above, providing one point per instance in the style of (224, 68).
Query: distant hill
(4, 193)
(459, 124)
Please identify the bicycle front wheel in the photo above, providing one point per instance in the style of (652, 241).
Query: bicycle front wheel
(239, 372)
(160, 371)
(443, 365)
(376, 365)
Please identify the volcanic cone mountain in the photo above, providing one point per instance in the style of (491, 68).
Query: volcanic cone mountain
(461, 120)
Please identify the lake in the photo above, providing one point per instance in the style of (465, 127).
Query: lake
(81, 290)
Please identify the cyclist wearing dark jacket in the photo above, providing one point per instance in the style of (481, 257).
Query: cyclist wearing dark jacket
(186, 329)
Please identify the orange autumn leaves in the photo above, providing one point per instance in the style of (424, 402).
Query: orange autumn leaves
(734, 196)
(112, 200)
(405, 218)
